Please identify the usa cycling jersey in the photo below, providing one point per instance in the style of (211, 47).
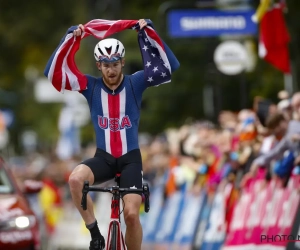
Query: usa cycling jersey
(115, 114)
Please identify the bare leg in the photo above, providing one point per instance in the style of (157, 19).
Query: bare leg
(134, 233)
(80, 174)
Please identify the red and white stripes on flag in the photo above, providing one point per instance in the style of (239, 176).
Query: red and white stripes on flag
(62, 70)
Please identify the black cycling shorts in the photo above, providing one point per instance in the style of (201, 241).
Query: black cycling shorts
(105, 167)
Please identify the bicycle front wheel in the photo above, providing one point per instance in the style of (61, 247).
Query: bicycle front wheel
(115, 243)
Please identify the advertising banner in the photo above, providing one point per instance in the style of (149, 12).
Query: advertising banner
(208, 23)
(188, 221)
(169, 219)
(216, 228)
(264, 216)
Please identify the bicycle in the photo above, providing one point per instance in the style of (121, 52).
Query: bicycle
(115, 239)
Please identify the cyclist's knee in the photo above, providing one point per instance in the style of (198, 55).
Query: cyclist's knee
(132, 209)
(80, 174)
(131, 217)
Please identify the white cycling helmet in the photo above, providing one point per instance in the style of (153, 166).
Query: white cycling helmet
(109, 50)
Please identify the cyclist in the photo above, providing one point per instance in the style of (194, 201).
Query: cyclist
(114, 101)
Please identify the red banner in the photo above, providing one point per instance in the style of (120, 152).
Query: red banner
(264, 215)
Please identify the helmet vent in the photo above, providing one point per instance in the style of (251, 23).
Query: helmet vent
(108, 50)
(123, 52)
(100, 51)
(117, 48)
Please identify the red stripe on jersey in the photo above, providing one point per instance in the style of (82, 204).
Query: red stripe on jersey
(114, 117)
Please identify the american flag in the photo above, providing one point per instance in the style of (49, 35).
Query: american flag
(63, 73)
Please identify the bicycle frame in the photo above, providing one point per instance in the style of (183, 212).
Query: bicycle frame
(115, 239)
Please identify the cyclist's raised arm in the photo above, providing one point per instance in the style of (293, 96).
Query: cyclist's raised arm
(61, 69)
(174, 63)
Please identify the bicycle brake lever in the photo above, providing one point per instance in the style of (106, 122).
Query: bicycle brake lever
(85, 191)
(146, 192)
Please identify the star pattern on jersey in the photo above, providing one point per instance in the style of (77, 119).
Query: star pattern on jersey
(156, 69)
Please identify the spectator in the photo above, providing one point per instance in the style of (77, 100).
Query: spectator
(289, 142)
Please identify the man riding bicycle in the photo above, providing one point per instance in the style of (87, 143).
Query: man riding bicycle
(114, 100)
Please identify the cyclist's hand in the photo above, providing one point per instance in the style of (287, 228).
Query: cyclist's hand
(79, 30)
(142, 23)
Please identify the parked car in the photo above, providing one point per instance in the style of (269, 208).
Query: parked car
(19, 227)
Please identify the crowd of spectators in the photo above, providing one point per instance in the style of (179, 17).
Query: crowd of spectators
(204, 154)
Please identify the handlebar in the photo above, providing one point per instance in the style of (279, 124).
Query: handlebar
(115, 190)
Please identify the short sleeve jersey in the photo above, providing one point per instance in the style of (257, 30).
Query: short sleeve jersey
(115, 114)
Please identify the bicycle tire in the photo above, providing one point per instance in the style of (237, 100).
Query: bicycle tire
(113, 242)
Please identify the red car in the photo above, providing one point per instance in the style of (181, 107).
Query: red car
(18, 223)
